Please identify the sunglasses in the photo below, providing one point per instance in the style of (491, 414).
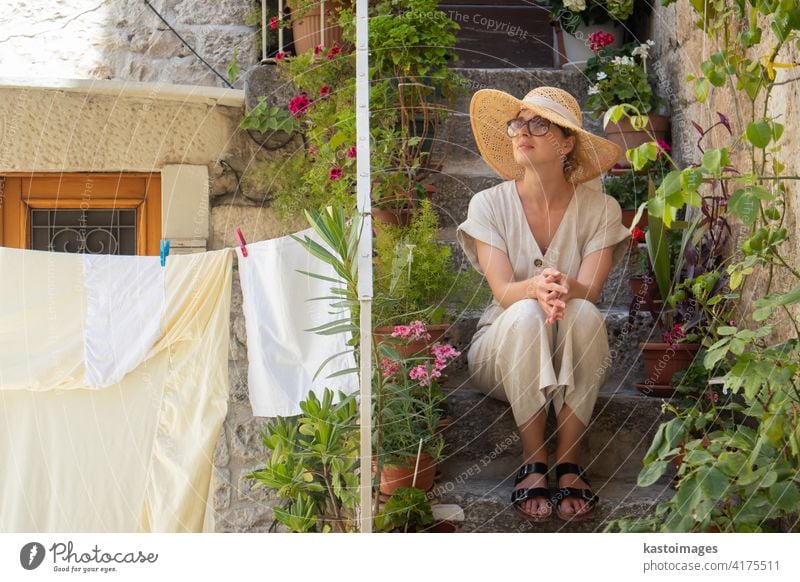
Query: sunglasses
(536, 126)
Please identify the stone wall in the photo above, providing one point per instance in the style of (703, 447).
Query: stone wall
(124, 39)
(680, 49)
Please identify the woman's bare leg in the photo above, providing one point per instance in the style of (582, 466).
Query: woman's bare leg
(570, 431)
(533, 448)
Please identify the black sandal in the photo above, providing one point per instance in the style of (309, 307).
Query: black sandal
(525, 493)
(562, 493)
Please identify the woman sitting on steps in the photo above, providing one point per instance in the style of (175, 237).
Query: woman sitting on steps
(546, 239)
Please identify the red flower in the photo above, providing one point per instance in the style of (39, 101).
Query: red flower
(324, 91)
(273, 23)
(334, 52)
(637, 234)
(298, 105)
(280, 55)
(317, 50)
(351, 153)
(663, 146)
(335, 173)
(598, 40)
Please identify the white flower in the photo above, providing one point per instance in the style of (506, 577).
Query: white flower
(601, 75)
(651, 42)
(626, 60)
(575, 5)
(594, 90)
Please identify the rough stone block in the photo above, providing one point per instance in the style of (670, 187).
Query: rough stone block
(237, 372)
(214, 12)
(222, 488)
(246, 439)
(222, 454)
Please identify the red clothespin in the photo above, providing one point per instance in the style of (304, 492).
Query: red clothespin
(240, 238)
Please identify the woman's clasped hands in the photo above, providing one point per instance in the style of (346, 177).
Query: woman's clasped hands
(549, 288)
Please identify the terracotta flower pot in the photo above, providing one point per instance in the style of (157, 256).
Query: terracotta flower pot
(640, 285)
(625, 136)
(393, 476)
(627, 218)
(384, 333)
(661, 361)
(442, 527)
(306, 30)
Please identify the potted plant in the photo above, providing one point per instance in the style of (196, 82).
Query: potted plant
(620, 76)
(415, 277)
(581, 25)
(408, 509)
(313, 468)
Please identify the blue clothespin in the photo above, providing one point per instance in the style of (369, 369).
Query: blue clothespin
(164, 251)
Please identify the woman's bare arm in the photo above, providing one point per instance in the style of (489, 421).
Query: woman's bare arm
(500, 276)
(591, 276)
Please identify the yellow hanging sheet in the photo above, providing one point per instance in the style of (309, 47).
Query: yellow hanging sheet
(135, 456)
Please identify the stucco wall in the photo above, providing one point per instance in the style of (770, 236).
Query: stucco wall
(680, 49)
(124, 39)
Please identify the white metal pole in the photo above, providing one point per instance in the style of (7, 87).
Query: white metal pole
(363, 185)
(264, 22)
(322, 23)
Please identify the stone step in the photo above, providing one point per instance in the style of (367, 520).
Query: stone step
(483, 435)
(616, 291)
(487, 507)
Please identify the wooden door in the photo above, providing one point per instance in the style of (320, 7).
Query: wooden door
(503, 34)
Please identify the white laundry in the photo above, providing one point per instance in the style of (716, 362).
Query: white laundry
(283, 357)
(124, 314)
(135, 456)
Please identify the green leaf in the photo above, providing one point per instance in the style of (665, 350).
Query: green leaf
(701, 89)
(713, 482)
(651, 473)
(759, 133)
(726, 330)
(785, 495)
(233, 68)
(639, 156)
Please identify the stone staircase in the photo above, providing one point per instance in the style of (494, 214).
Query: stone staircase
(484, 451)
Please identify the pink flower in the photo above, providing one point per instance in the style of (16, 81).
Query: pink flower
(333, 53)
(401, 331)
(420, 373)
(389, 367)
(418, 330)
(444, 352)
(298, 105)
(351, 153)
(280, 55)
(317, 50)
(663, 146)
(413, 331)
(335, 173)
(273, 23)
(324, 91)
(598, 40)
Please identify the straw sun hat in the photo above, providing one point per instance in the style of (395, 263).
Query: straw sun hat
(490, 110)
